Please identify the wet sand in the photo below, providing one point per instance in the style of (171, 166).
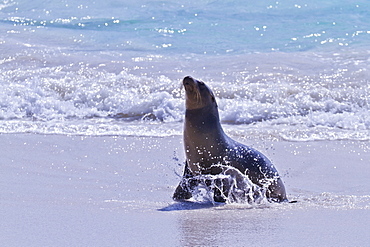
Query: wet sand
(116, 191)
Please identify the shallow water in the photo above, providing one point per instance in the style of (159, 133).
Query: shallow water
(112, 167)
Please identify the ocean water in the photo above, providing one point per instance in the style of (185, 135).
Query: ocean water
(292, 70)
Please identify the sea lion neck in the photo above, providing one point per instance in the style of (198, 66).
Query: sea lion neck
(199, 114)
(203, 120)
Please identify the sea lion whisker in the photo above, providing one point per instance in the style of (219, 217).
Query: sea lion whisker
(199, 98)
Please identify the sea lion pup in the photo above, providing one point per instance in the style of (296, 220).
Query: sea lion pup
(210, 151)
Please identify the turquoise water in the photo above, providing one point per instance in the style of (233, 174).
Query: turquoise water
(213, 27)
(169, 27)
(297, 70)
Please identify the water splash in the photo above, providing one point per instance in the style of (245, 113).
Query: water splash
(230, 187)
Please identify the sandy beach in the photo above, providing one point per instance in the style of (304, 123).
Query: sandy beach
(61, 190)
(92, 109)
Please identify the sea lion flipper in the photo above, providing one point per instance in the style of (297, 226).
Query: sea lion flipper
(276, 191)
(184, 189)
(181, 193)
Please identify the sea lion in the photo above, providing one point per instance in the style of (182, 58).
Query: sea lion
(209, 150)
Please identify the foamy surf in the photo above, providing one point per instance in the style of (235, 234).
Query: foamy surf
(282, 103)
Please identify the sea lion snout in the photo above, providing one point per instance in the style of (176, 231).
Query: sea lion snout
(198, 94)
(188, 79)
(188, 82)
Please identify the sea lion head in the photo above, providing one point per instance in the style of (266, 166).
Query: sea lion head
(198, 94)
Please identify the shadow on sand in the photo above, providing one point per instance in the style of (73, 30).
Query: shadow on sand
(189, 205)
(194, 205)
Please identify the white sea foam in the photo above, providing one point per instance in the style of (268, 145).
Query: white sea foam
(84, 99)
